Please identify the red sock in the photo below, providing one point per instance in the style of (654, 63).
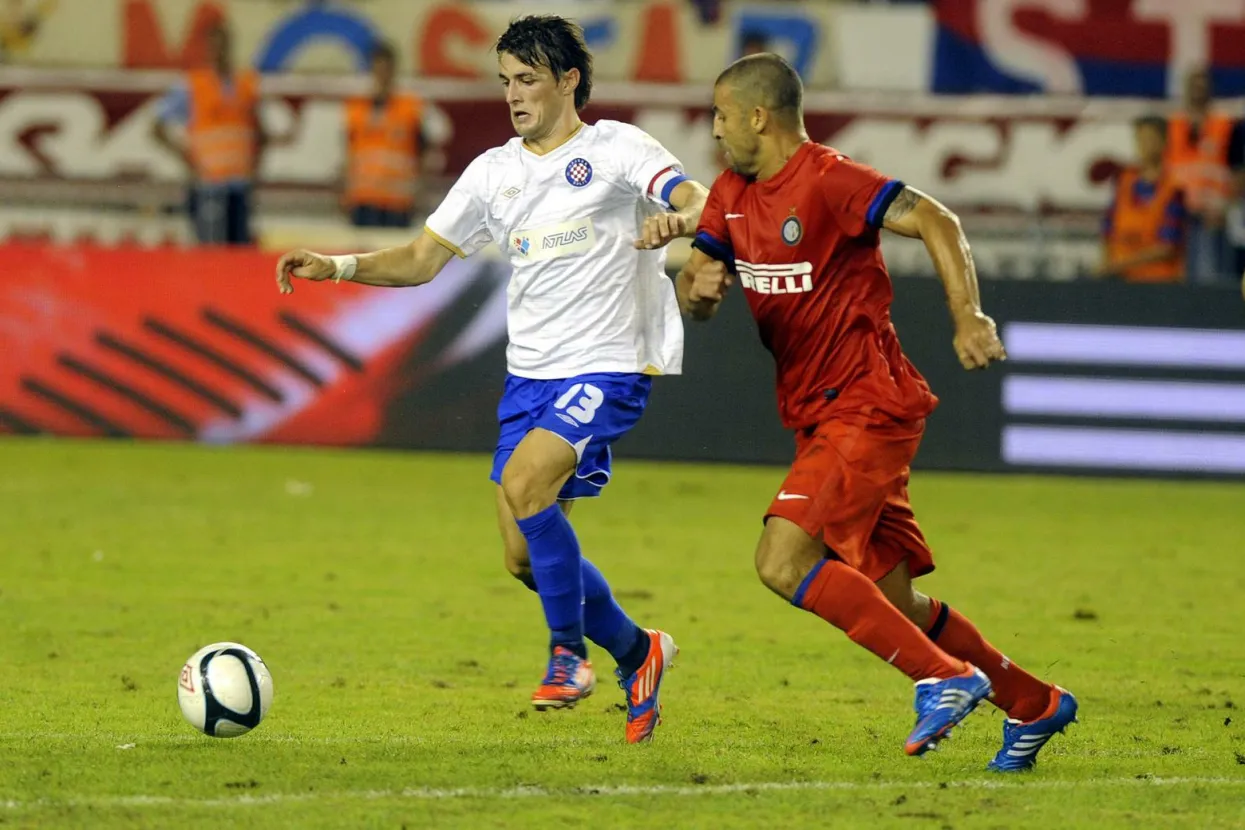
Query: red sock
(1018, 693)
(845, 598)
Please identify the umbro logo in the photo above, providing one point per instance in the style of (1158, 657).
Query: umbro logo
(510, 193)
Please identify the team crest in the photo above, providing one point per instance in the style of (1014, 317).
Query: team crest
(792, 230)
(579, 172)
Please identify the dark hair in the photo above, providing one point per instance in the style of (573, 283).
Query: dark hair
(1158, 122)
(767, 80)
(383, 50)
(553, 42)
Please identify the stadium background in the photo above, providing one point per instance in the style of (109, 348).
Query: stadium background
(1014, 113)
(371, 581)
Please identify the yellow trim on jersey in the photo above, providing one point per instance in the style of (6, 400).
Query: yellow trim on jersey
(574, 133)
(650, 369)
(445, 243)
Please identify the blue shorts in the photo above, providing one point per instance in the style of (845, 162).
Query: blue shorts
(589, 412)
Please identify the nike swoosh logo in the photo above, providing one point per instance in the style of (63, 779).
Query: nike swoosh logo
(734, 216)
(783, 495)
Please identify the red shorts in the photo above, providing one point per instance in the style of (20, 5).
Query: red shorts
(848, 487)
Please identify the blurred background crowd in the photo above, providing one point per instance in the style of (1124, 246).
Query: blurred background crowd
(1090, 147)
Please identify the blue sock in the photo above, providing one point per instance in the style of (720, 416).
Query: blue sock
(554, 554)
(607, 625)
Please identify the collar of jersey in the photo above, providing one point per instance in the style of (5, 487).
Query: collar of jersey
(787, 170)
(570, 138)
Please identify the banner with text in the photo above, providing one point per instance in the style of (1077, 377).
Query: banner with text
(973, 153)
(1139, 48)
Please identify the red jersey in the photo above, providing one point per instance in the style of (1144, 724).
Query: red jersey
(804, 245)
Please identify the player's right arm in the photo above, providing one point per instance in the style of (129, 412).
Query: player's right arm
(413, 264)
(914, 214)
(703, 280)
(458, 227)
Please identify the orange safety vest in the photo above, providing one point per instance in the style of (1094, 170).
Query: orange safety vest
(1201, 168)
(222, 126)
(382, 154)
(1135, 227)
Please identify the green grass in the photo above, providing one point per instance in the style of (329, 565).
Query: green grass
(403, 654)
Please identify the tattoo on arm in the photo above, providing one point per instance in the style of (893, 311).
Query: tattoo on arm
(903, 205)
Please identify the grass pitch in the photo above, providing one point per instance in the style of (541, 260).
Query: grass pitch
(403, 654)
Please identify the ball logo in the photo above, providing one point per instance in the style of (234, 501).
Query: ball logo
(792, 230)
(579, 172)
(187, 680)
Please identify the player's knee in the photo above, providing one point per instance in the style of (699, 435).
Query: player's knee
(776, 570)
(523, 488)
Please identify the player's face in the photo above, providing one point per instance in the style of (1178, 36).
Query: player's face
(732, 129)
(534, 96)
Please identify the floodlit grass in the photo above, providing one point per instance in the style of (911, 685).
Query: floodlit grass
(403, 654)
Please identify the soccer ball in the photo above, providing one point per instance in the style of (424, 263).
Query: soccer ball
(224, 690)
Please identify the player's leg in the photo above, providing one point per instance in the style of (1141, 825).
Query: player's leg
(514, 546)
(832, 498)
(569, 676)
(539, 466)
(586, 415)
(1036, 710)
(590, 413)
(605, 622)
(793, 564)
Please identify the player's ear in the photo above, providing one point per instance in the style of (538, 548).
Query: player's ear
(760, 118)
(570, 81)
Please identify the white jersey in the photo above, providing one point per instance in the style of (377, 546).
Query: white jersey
(581, 297)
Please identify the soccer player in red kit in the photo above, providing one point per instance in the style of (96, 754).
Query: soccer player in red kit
(797, 225)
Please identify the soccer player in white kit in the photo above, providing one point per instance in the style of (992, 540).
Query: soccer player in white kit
(582, 212)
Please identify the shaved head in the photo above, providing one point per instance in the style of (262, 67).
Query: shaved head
(758, 113)
(767, 81)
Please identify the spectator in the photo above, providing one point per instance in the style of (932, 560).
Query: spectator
(1197, 152)
(219, 110)
(1143, 228)
(384, 145)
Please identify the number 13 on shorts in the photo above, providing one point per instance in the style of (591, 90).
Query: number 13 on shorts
(579, 403)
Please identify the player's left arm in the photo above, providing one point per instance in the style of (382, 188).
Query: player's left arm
(688, 201)
(919, 216)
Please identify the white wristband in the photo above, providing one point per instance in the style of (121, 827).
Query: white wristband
(345, 266)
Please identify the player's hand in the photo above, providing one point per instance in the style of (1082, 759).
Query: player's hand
(305, 265)
(709, 283)
(977, 342)
(661, 228)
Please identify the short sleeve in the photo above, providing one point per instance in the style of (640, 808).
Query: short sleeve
(460, 222)
(713, 234)
(858, 195)
(650, 169)
(174, 105)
